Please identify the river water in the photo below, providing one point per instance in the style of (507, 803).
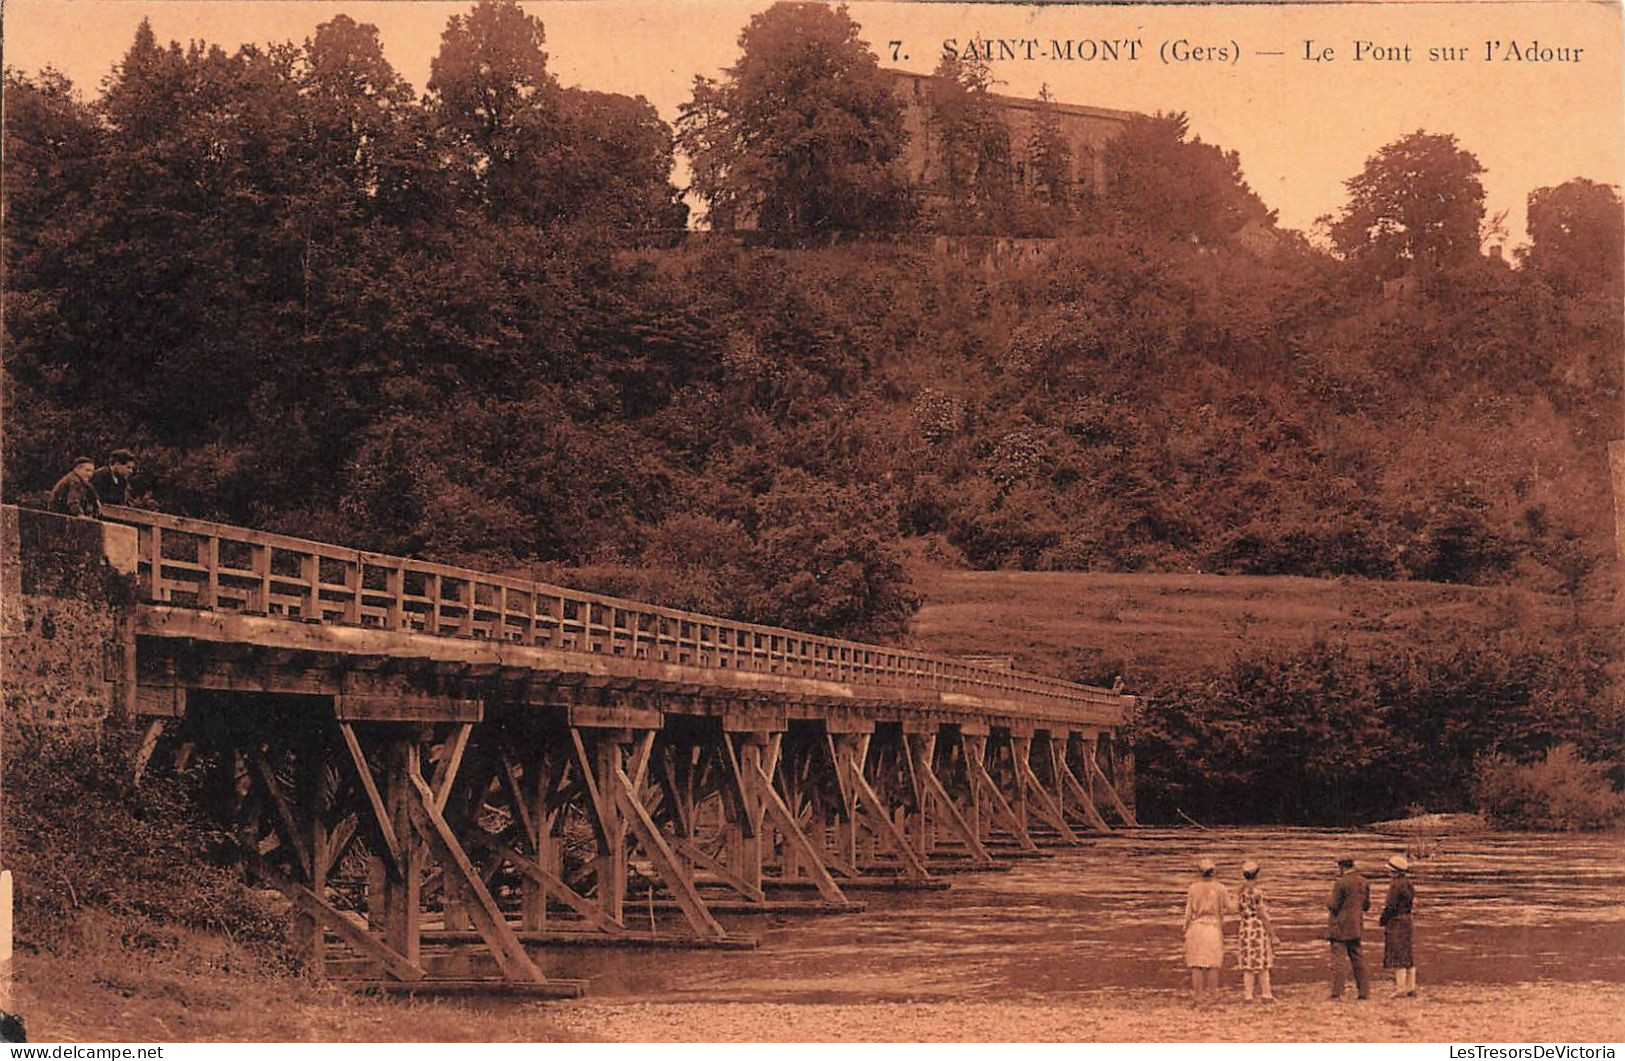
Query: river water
(1497, 907)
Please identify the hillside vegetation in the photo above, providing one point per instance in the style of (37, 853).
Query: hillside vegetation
(459, 324)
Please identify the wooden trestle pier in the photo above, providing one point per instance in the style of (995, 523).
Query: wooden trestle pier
(447, 771)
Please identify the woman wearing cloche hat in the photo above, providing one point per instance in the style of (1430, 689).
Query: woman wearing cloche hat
(1257, 938)
(1396, 924)
(1205, 906)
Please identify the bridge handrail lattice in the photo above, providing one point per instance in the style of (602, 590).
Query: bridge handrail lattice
(198, 563)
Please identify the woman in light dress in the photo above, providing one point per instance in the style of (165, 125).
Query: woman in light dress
(1205, 906)
(1257, 939)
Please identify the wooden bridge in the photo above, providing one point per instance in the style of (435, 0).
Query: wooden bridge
(448, 772)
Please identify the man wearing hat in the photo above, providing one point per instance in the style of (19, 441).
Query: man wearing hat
(1351, 898)
(112, 481)
(73, 495)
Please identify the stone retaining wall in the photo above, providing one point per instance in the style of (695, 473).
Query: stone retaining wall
(66, 586)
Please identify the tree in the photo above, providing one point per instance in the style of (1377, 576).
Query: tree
(974, 175)
(1049, 155)
(803, 135)
(187, 259)
(1415, 207)
(1162, 182)
(1576, 236)
(618, 173)
(356, 112)
(496, 104)
(52, 154)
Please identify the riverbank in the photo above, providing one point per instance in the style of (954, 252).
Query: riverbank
(1537, 1012)
(65, 1005)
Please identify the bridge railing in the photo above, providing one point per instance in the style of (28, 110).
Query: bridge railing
(197, 563)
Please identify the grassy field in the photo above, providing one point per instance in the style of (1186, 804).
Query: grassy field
(1148, 626)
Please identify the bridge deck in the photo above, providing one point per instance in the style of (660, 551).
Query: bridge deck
(420, 756)
(214, 584)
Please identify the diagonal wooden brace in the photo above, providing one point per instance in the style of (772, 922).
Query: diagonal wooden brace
(483, 911)
(446, 772)
(702, 858)
(284, 811)
(973, 843)
(810, 855)
(665, 862)
(1081, 791)
(556, 886)
(1043, 800)
(1111, 790)
(347, 928)
(913, 865)
(380, 813)
(1001, 806)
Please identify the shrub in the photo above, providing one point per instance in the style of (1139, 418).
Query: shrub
(1560, 791)
(85, 844)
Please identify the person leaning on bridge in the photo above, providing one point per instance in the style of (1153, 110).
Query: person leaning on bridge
(1351, 898)
(73, 495)
(112, 481)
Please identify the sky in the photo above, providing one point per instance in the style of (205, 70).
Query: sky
(1302, 121)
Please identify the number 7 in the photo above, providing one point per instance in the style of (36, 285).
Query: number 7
(896, 47)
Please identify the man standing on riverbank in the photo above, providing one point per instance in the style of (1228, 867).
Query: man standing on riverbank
(1351, 898)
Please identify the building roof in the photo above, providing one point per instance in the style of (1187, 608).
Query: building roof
(1022, 103)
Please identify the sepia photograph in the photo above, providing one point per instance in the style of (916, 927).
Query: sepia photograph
(732, 521)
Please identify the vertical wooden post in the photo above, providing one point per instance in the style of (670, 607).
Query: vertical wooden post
(976, 764)
(356, 569)
(402, 890)
(975, 820)
(311, 933)
(1055, 757)
(262, 567)
(154, 543)
(1081, 791)
(533, 901)
(1091, 773)
(311, 573)
(431, 590)
(841, 747)
(610, 865)
(470, 592)
(747, 842)
(1020, 746)
(919, 750)
(209, 596)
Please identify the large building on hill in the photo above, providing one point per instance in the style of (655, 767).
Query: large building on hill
(1086, 129)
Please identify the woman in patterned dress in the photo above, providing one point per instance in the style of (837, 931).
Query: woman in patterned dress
(1396, 926)
(1258, 940)
(1205, 906)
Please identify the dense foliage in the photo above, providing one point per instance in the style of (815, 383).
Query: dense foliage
(1416, 207)
(81, 839)
(802, 136)
(460, 325)
(1325, 735)
(1560, 791)
(453, 325)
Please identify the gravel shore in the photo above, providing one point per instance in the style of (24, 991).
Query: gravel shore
(68, 1000)
(1543, 1012)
